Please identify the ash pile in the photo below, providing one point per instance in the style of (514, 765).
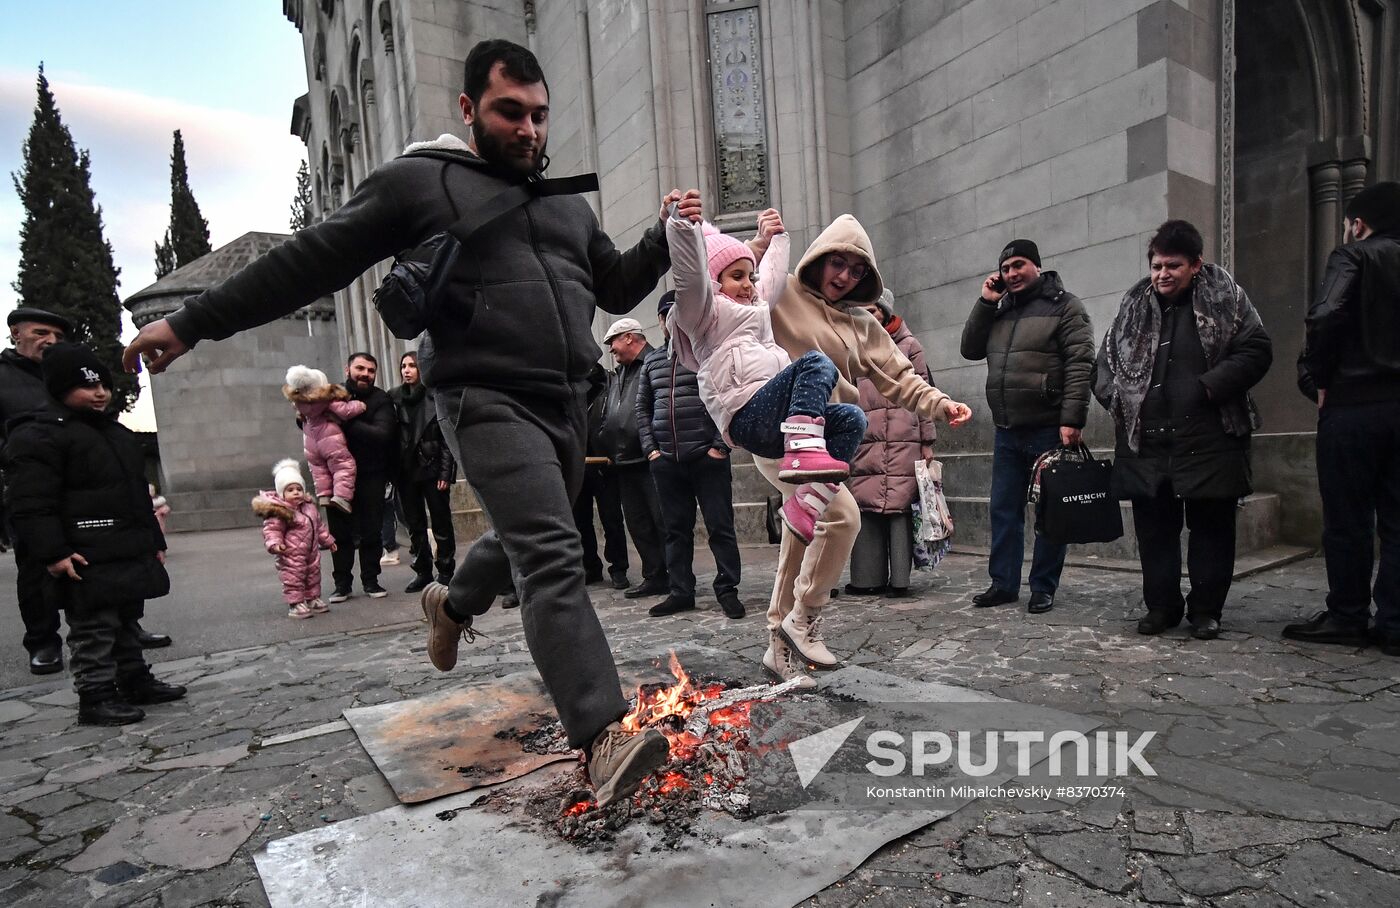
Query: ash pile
(707, 724)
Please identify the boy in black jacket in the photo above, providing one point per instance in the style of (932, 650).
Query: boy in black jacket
(78, 494)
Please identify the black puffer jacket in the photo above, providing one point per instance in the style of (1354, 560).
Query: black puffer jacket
(620, 437)
(423, 455)
(1039, 349)
(76, 483)
(670, 415)
(1352, 346)
(373, 436)
(21, 388)
(542, 269)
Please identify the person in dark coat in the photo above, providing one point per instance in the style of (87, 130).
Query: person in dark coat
(75, 479)
(690, 466)
(513, 413)
(373, 439)
(426, 472)
(1039, 347)
(1350, 365)
(640, 506)
(22, 392)
(600, 485)
(882, 474)
(1175, 371)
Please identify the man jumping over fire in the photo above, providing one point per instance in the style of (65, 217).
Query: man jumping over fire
(513, 413)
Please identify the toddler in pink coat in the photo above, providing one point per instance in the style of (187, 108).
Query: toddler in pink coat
(293, 531)
(323, 407)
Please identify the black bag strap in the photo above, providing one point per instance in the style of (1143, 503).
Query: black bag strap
(504, 202)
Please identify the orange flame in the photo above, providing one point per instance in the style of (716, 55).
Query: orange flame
(677, 700)
(580, 807)
(673, 781)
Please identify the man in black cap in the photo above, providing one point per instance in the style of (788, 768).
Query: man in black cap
(32, 331)
(1350, 365)
(1039, 347)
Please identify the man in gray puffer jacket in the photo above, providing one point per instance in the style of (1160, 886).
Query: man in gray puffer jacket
(1039, 347)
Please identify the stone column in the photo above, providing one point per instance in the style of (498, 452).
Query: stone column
(1325, 181)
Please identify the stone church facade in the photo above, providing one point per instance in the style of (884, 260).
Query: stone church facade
(946, 126)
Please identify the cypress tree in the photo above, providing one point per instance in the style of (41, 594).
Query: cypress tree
(301, 202)
(188, 236)
(65, 263)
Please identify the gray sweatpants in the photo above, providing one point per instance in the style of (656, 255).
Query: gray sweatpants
(884, 550)
(523, 456)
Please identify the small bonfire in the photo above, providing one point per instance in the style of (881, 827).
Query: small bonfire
(707, 725)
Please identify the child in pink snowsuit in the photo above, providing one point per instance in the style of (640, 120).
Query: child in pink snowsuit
(323, 407)
(293, 531)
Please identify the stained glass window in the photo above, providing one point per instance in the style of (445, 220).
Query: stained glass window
(736, 96)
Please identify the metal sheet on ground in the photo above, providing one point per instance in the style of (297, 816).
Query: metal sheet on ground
(464, 738)
(407, 854)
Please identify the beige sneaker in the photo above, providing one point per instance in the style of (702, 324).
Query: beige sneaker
(803, 632)
(318, 606)
(443, 633)
(783, 665)
(619, 761)
(299, 611)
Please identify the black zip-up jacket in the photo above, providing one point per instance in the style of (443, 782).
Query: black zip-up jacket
(671, 418)
(620, 437)
(76, 483)
(535, 274)
(1352, 344)
(1039, 349)
(423, 455)
(21, 388)
(373, 436)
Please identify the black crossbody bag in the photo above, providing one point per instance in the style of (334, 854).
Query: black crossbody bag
(409, 297)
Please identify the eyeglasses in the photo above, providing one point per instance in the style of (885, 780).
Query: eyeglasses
(857, 270)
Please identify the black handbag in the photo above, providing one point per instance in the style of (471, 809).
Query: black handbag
(408, 297)
(1076, 502)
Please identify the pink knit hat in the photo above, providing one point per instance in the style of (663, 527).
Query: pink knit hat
(724, 250)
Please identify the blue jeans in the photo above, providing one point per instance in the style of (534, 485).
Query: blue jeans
(1013, 456)
(802, 389)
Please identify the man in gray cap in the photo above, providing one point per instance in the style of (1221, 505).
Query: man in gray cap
(622, 440)
(32, 331)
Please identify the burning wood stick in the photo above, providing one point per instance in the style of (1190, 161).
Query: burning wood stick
(700, 717)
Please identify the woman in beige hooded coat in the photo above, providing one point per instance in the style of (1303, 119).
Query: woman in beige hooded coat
(819, 308)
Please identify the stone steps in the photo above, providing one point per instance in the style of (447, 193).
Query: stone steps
(217, 509)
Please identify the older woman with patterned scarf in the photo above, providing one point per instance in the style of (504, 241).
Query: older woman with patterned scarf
(1175, 371)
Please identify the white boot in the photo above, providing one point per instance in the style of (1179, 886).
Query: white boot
(783, 665)
(801, 630)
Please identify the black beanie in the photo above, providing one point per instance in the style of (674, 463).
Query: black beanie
(1024, 248)
(1378, 206)
(66, 366)
(663, 305)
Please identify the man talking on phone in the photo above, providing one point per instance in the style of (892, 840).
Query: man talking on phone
(1039, 347)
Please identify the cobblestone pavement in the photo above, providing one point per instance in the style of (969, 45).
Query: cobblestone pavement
(1276, 787)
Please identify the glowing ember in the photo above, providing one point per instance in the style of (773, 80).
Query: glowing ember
(674, 781)
(580, 807)
(667, 708)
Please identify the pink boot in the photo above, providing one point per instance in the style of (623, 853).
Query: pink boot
(805, 458)
(806, 506)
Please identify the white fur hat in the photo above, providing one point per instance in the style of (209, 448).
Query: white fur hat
(286, 472)
(304, 379)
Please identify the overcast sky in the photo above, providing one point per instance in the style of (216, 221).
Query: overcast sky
(125, 76)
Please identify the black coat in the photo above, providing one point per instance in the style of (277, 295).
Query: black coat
(620, 437)
(373, 436)
(671, 418)
(76, 484)
(542, 268)
(1352, 345)
(1039, 349)
(423, 455)
(21, 388)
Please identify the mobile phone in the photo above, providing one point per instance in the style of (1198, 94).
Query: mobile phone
(671, 211)
(999, 284)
